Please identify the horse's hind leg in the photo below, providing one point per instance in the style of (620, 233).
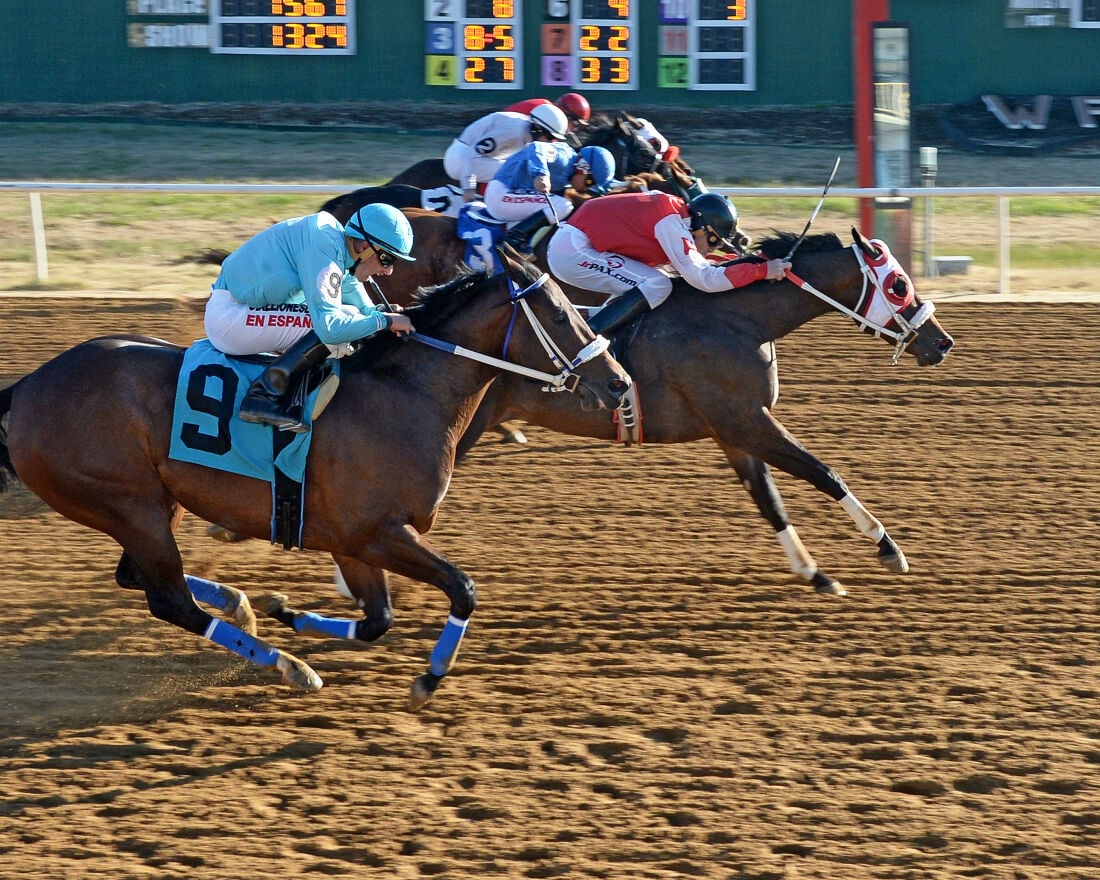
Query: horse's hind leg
(757, 480)
(760, 434)
(367, 586)
(152, 561)
(229, 600)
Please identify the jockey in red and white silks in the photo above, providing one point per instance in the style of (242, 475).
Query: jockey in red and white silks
(623, 242)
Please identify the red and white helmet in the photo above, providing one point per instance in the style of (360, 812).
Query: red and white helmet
(550, 119)
(575, 107)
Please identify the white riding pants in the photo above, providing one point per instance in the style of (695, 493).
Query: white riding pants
(461, 161)
(236, 329)
(519, 204)
(573, 260)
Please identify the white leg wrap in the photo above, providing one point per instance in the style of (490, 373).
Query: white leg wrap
(868, 525)
(802, 564)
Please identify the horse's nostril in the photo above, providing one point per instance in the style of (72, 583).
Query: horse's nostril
(946, 344)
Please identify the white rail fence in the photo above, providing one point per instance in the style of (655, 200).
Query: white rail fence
(34, 189)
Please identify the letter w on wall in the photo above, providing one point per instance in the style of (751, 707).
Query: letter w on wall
(1034, 117)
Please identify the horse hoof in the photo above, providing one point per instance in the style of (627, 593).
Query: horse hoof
(297, 673)
(514, 437)
(224, 535)
(892, 559)
(422, 690)
(271, 604)
(827, 586)
(243, 615)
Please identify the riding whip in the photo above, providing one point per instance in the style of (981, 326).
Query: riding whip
(378, 290)
(820, 202)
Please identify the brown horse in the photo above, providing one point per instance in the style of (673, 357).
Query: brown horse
(617, 132)
(705, 366)
(89, 433)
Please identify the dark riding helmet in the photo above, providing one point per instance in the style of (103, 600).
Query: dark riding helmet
(717, 215)
(575, 107)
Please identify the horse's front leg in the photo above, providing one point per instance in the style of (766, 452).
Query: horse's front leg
(757, 481)
(762, 435)
(402, 550)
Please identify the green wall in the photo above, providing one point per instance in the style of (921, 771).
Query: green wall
(75, 51)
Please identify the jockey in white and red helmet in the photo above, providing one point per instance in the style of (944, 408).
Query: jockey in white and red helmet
(476, 155)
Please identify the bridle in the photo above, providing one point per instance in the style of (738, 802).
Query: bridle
(565, 379)
(876, 298)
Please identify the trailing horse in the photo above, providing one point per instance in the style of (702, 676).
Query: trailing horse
(704, 366)
(90, 431)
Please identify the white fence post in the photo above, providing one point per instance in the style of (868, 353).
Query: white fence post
(40, 259)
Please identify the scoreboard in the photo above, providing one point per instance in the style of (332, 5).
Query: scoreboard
(271, 27)
(586, 45)
(474, 44)
(590, 45)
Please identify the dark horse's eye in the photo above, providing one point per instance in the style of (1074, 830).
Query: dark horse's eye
(899, 287)
(560, 317)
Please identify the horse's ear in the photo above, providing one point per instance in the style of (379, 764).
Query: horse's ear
(864, 245)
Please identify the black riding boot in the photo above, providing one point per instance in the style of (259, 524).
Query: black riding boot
(520, 235)
(269, 396)
(618, 312)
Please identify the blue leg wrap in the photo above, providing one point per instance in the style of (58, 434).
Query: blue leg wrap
(446, 649)
(335, 627)
(240, 642)
(207, 592)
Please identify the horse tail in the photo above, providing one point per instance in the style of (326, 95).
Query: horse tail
(7, 469)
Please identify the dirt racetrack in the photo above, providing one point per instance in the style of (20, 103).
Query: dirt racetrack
(645, 691)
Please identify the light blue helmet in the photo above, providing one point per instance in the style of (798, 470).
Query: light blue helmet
(599, 164)
(384, 226)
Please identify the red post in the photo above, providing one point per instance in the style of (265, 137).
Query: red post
(864, 13)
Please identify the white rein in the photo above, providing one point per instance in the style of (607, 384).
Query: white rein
(563, 380)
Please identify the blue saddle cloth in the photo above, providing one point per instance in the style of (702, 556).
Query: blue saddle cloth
(206, 429)
(482, 232)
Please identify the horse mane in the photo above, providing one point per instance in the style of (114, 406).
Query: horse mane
(778, 245)
(431, 306)
(608, 118)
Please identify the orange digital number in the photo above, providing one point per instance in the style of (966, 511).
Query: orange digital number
(620, 70)
(475, 67)
(590, 70)
(299, 8)
(504, 8)
(315, 35)
(619, 36)
(473, 37)
(737, 10)
(477, 37)
(590, 38)
(338, 33)
(620, 6)
(508, 68)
